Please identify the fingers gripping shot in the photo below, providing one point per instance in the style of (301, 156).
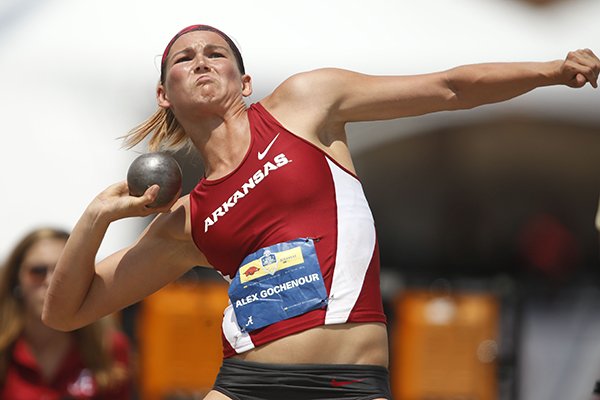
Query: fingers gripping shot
(305, 318)
(160, 169)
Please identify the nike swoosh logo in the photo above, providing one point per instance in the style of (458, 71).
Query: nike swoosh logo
(336, 383)
(262, 154)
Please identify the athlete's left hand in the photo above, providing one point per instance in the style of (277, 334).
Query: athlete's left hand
(579, 67)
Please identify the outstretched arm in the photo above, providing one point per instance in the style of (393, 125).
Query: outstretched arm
(349, 96)
(463, 87)
(316, 105)
(81, 292)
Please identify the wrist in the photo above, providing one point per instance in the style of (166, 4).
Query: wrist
(552, 72)
(95, 216)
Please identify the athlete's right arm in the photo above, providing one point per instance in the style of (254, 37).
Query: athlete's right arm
(82, 291)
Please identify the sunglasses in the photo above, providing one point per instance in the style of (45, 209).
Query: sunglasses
(37, 274)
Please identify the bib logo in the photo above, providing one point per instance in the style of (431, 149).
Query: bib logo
(279, 161)
(269, 262)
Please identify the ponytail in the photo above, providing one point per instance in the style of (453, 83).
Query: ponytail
(163, 130)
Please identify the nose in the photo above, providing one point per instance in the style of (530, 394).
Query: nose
(48, 276)
(201, 65)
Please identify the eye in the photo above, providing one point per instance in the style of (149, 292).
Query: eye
(216, 54)
(37, 273)
(182, 59)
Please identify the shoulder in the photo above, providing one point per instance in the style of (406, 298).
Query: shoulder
(171, 233)
(174, 224)
(178, 231)
(315, 84)
(314, 94)
(317, 76)
(315, 79)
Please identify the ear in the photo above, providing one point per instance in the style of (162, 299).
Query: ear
(161, 97)
(246, 85)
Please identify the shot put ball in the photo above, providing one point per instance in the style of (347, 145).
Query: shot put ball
(158, 168)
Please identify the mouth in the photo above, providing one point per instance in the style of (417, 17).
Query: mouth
(203, 79)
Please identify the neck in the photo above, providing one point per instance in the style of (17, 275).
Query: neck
(40, 337)
(221, 140)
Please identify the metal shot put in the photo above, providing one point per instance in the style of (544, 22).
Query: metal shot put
(158, 168)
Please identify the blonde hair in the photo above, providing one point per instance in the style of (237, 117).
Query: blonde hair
(163, 130)
(91, 340)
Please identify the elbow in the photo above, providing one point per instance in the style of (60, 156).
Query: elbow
(453, 101)
(54, 321)
(456, 101)
(51, 322)
(455, 96)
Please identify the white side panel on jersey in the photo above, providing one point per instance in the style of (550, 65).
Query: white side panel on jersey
(240, 341)
(356, 240)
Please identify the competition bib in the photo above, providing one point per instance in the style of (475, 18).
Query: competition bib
(276, 283)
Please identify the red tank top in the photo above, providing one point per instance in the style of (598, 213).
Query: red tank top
(286, 188)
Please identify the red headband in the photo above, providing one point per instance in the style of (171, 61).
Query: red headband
(200, 27)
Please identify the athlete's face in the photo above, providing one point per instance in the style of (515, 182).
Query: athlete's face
(201, 69)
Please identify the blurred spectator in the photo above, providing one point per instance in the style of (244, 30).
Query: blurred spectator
(37, 362)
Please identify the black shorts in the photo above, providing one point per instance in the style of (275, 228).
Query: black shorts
(244, 380)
